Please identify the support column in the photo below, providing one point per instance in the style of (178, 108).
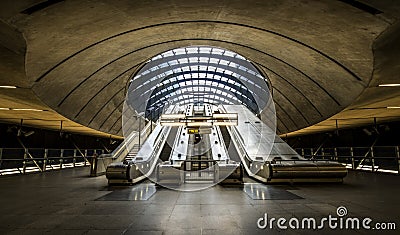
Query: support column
(323, 153)
(61, 158)
(1, 157)
(398, 159)
(24, 161)
(74, 160)
(353, 166)
(46, 152)
(372, 158)
(336, 156)
(85, 157)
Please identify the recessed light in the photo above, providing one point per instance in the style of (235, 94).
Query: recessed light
(389, 85)
(393, 107)
(8, 87)
(4, 108)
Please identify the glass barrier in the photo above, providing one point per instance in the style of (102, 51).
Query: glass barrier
(375, 159)
(21, 161)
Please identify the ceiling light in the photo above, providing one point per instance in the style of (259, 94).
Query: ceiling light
(8, 87)
(393, 107)
(22, 109)
(35, 110)
(389, 85)
(29, 133)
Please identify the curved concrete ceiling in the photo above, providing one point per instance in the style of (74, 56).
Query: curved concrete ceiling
(80, 55)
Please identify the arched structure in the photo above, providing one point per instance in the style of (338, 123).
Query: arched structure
(78, 57)
(198, 75)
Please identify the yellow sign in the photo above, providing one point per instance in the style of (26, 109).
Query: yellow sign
(199, 131)
(193, 131)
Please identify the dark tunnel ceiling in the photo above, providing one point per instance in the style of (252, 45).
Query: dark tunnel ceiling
(80, 55)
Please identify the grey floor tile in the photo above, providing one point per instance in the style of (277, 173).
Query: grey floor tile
(65, 203)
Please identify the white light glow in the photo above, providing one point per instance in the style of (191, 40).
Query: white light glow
(172, 116)
(172, 123)
(389, 85)
(225, 123)
(28, 109)
(199, 124)
(225, 115)
(387, 171)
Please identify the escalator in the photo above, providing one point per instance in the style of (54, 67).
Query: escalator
(282, 163)
(143, 164)
(167, 149)
(232, 152)
(132, 154)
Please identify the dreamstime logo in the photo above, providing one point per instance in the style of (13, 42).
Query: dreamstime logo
(333, 222)
(341, 211)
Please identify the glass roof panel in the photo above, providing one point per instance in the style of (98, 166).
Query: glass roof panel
(207, 73)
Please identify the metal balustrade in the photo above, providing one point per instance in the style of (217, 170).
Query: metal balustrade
(375, 159)
(28, 160)
(133, 141)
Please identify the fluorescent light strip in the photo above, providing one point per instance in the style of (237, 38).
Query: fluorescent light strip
(199, 124)
(225, 123)
(22, 109)
(389, 85)
(172, 116)
(35, 110)
(8, 87)
(172, 123)
(225, 115)
(393, 107)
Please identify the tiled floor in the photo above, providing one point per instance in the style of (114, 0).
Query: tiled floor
(64, 202)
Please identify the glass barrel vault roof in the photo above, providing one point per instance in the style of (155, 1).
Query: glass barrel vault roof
(197, 75)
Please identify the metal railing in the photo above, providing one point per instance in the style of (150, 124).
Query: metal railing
(200, 170)
(27, 160)
(375, 159)
(100, 164)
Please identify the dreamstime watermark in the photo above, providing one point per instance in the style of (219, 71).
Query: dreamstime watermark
(338, 221)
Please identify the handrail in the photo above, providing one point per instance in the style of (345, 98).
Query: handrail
(27, 153)
(152, 160)
(240, 141)
(245, 160)
(121, 149)
(357, 147)
(388, 157)
(80, 152)
(14, 162)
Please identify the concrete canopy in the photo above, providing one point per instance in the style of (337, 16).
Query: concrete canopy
(77, 57)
